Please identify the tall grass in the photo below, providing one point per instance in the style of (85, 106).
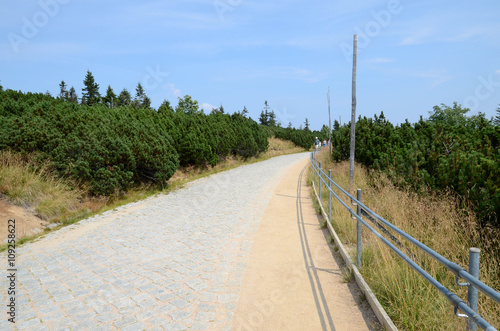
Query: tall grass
(437, 221)
(28, 183)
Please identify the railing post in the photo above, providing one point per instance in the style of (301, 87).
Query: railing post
(358, 231)
(473, 292)
(319, 173)
(314, 169)
(330, 195)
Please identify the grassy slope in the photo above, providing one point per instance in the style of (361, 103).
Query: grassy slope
(436, 221)
(26, 183)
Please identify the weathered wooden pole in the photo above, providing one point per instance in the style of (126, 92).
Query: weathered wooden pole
(353, 115)
(330, 122)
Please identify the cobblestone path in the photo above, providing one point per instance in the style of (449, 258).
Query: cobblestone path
(170, 262)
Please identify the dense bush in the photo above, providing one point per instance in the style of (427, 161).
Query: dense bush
(108, 149)
(448, 150)
(208, 139)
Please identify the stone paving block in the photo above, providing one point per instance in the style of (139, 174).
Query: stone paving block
(108, 317)
(138, 326)
(127, 320)
(63, 298)
(205, 306)
(180, 315)
(29, 324)
(124, 303)
(199, 325)
(84, 316)
(174, 327)
(227, 297)
(205, 316)
(179, 303)
(208, 297)
(146, 303)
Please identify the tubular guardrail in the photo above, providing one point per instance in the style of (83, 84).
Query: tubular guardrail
(473, 283)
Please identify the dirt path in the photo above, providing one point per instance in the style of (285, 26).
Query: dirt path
(293, 280)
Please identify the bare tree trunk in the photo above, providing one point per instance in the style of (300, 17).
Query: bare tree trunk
(330, 122)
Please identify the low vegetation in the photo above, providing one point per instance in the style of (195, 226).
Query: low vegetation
(438, 220)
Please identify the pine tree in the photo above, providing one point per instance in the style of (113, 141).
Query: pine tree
(146, 103)
(63, 94)
(71, 96)
(244, 112)
(139, 96)
(306, 125)
(264, 118)
(165, 108)
(271, 118)
(90, 93)
(124, 99)
(1, 88)
(187, 105)
(110, 98)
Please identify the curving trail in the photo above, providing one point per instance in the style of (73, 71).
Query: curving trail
(196, 258)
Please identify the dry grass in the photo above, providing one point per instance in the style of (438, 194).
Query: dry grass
(29, 184)
(436, 221)
(281, 147)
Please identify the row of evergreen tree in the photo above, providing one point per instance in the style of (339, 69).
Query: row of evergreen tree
(91, 95)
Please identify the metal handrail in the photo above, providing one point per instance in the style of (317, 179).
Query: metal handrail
(453, 267)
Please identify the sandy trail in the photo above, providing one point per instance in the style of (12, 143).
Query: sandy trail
(293, 279)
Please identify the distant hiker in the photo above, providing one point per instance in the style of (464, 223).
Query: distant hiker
(316, 142)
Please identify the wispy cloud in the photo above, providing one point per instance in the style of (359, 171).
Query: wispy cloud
(172, 89)
(207, 107)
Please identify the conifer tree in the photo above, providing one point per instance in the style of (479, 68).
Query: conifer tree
(187, 105)
(110, 98)
(139, 96)
(63, 94)
(166, 108)
(124, 99)
(71, 96)
(244, 112)
(90, 93)
(306, 125)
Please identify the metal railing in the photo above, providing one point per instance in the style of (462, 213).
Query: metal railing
(363, 212)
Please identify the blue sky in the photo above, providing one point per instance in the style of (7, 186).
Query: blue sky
(412, 55)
